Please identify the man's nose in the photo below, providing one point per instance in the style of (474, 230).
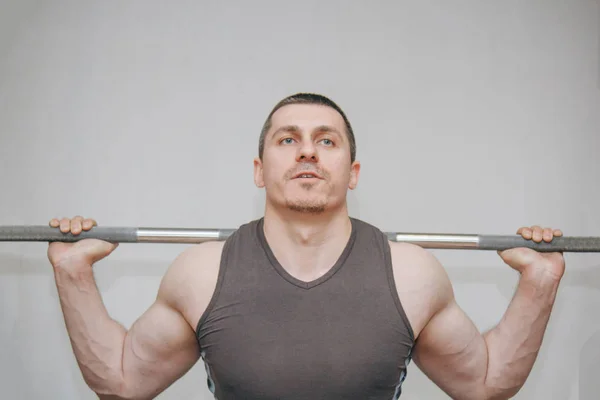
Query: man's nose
(307, 152)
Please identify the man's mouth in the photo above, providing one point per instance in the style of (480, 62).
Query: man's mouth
(307, 175)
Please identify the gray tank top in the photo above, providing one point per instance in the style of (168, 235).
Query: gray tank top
(268, 335)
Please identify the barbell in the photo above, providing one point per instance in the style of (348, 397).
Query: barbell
(41, 233)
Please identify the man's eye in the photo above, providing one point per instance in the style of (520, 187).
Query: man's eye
(327, 142)
(287, 141)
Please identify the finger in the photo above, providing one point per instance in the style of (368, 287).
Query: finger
(527, 233)
(65, 225)
(88, 224)
(76, 225)
(547, 234)
(558, 232)
(537, 233)
(54, 222)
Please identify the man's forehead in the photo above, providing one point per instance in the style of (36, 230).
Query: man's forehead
(307, 115)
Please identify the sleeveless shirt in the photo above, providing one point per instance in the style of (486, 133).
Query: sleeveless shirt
(267, 335)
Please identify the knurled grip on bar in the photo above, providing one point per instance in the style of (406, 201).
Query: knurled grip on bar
(50, 234)
(571, 244)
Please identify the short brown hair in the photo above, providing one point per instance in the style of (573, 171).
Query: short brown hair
(308, 98)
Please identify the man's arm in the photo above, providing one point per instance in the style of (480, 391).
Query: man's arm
(452, 352)
(143, 361)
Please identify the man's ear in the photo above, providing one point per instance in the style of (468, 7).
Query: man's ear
(258, 173)
(354, 173)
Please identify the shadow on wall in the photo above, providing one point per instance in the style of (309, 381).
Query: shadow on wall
(589, 367)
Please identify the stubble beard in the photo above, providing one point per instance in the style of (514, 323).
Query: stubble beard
(306, 207)
(313, 207)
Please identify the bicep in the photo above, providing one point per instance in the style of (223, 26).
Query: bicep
(449, 348)
(159, 348)
(161, 345)
(452, 353)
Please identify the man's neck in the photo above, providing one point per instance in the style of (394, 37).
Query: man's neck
(307, 245)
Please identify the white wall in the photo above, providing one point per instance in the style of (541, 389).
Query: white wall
(471, 116)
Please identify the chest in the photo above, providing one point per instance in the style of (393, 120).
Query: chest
(265, 344)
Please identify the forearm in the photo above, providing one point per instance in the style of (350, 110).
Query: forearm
(513, 345)
(97, 339)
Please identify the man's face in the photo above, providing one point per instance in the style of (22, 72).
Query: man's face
(306, 163)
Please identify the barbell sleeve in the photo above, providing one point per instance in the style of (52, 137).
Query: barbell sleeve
(190, 235)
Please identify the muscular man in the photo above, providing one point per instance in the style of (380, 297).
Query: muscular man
(305, 302)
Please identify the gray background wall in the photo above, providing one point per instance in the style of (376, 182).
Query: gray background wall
(471, 116)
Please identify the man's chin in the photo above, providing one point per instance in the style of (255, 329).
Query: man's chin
(307, 207)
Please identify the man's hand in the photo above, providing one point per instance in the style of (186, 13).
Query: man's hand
(84, 252)
(536, 266)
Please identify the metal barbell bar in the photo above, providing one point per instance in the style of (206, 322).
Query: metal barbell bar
(41, 233)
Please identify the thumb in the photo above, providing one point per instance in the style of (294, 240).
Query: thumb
(101, 249)
(517, 258)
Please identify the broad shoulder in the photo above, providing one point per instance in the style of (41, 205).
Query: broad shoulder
(191, 279)
(422, 283)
